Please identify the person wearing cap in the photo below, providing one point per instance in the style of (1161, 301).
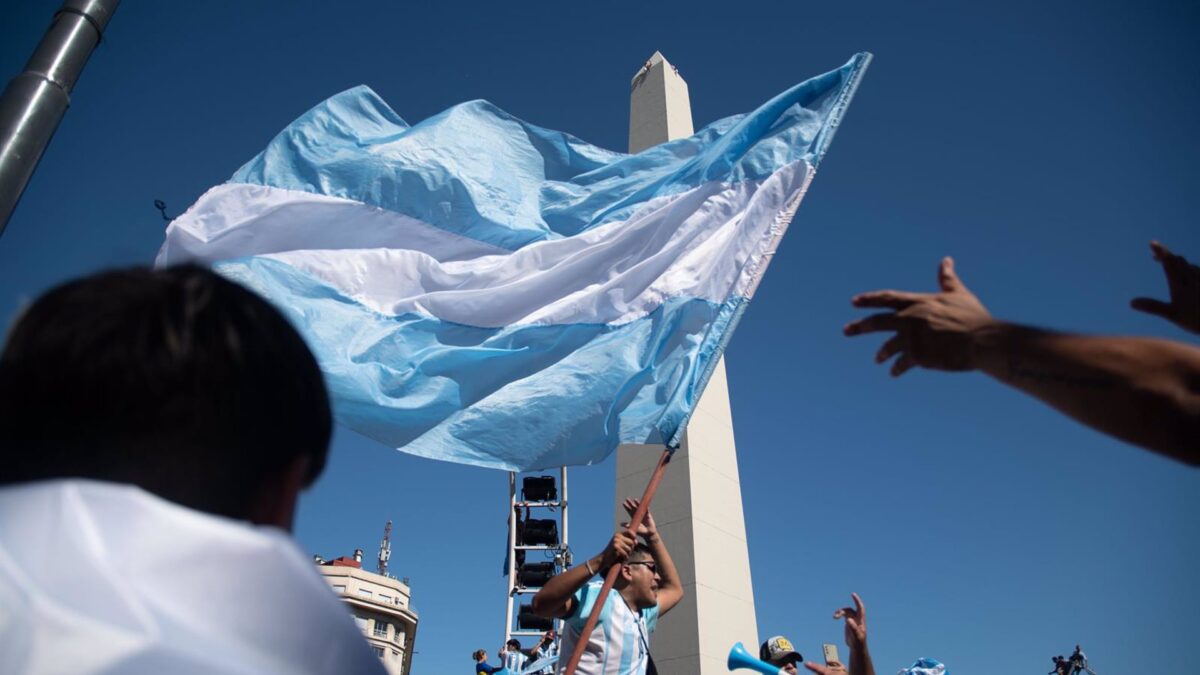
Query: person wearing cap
(778, 651)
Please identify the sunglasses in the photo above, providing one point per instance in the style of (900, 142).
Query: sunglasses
(650, 565)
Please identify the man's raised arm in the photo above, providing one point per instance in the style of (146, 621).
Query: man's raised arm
(557, 597)
(1142, 390)
(670, 589)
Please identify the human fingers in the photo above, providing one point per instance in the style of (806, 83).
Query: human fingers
(873, 324)
(622, 544)
(858, 604)
(844, 612)
(891, 299)
(948, 279)
(1152, 306)
(889, 349)
(1161, 252)
(905, 363)
(630, 505)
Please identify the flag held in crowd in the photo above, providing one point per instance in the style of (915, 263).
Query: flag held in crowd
(481, 290)
(925, 667)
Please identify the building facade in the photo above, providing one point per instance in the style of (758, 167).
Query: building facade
(381, 607)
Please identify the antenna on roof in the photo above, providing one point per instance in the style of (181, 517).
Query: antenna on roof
(385, 549)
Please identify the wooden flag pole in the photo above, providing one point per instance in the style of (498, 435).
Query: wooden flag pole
(611, 578)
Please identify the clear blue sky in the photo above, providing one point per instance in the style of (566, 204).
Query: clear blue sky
(1040, 143)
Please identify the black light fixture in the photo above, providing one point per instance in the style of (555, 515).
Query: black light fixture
(535, 575)
(527, 620)
(539, 489)
(539, 533)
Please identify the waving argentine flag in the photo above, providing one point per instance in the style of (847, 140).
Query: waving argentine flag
(481, 290)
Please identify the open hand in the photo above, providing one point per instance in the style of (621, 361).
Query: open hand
(1183, 284)
(933, 330)
(648, 529)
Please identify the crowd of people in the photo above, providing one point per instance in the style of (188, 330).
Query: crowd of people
(150, 415)
(514, 659)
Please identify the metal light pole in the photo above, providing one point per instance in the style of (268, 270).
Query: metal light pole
(36, 100)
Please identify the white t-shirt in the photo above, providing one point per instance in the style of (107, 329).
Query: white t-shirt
(106, 578)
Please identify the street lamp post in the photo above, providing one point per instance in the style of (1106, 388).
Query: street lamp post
(35, 101)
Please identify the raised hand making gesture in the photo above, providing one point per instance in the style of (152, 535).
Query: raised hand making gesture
(1141, 390)
(1183, 284)
(856, 640)
(933, 330)
(647, 530)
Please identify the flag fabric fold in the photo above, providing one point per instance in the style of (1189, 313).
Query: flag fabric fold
(481, 290)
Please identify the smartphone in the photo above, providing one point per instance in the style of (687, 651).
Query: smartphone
(831, 654)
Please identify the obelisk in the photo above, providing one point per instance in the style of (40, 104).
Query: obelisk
(698, 507)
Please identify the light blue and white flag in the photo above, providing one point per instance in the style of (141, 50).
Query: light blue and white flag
(924, 667)
(481, 290)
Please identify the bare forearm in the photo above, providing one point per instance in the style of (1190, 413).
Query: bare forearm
(668, 575)
(860, 661)
(1142, 390)
(552, 600)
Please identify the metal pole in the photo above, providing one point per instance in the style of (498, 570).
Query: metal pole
(611, 577)
(512, 554)
(35, 101)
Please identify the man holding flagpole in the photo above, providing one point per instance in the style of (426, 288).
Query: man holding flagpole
(647, 587)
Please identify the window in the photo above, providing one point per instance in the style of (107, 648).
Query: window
(395, 654)
(365, 593)
(339, 588)
(378, 651)
(380, 628)
(385, 598)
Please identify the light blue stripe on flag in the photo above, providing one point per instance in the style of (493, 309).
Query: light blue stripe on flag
(481, 290)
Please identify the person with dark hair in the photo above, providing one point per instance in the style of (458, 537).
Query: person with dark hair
(513, 657)
(1144, 391)
(157, 428)
(647, 587)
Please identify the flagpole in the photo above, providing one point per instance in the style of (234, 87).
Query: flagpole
(611, 578)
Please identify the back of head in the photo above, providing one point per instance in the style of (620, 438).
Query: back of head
(176, 380)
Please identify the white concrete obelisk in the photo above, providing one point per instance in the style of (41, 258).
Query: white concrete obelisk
(698, 506)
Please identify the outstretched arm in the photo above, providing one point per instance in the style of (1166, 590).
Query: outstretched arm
(856, 640)
(1142, 390)
(670, 590)
(557, 597)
